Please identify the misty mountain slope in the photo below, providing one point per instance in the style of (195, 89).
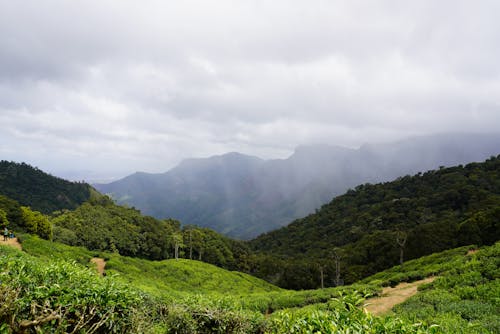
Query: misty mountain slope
(243, 196)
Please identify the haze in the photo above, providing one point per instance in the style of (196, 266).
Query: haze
(96, 90)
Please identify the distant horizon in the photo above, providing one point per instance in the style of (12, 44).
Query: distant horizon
(96, 178)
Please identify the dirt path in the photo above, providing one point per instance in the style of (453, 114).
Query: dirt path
(393, 296)
(100, 264)
(11, 242)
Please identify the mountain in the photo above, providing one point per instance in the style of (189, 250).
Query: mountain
(243, 196)
(41, 191)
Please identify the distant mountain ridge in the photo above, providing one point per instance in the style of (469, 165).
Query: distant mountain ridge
(243, 196)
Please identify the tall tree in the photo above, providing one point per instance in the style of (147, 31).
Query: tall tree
(401, 238)
(177, 242)
(337, 257)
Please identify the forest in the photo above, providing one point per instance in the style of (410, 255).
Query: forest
(368, 229)
(376, 226)
(42, 192)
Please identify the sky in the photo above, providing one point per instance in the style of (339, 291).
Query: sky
(97, 90)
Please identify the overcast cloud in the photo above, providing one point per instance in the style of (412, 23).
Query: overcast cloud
(105, 88)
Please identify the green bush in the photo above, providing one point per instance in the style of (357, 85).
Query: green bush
(62, 297)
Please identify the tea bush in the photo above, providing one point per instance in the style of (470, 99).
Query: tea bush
(62, 297)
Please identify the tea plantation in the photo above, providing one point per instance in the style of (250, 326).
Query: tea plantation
(53, 288)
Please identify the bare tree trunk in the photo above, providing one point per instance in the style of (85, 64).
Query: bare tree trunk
(176, 253)
(337, 257)
(337, 271)
(322, 277)
(190, 246)
(401, 238)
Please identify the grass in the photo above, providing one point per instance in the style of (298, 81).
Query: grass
(184, 296)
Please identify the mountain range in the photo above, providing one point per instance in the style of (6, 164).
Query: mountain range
(243, 196)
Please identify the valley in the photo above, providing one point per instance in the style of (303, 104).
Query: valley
(102, 267)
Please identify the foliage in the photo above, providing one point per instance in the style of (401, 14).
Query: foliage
(189, 300)
(23, 219)
(60, 297)
(103, 226)
(37, 223)
(42, 192)
(4, 221)
(12, 209)
(343, 314)
(436, 210)
(465, 298)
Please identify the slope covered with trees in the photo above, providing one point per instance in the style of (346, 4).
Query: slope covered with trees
(373, 227)
(104, 226)
(42, 192)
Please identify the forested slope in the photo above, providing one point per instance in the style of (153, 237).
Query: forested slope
(360, 230)
(41, 191)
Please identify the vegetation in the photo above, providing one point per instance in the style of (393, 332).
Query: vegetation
(103, 226)
(360, 230)
(465, 299)
(156, 283)
(42, 295)
(60, 297)
(42, 192)
(22, 219)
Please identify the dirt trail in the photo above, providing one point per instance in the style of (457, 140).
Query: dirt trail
(100, 264)
(11, 242)
(393, 296)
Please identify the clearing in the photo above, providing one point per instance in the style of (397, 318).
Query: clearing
(393, 296)
(13, 242)
(100, 264)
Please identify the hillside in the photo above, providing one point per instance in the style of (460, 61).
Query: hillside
(41, 191)
(243, 196)
(426, 213)
(167, 278)
(63, 296)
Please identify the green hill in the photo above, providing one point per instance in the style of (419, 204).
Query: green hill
(162, 278)
(42, 292)
(42, 192)
(431, 211)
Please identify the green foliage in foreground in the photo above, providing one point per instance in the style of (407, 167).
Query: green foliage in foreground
(464, 298)
(343, 314)
(61, 297)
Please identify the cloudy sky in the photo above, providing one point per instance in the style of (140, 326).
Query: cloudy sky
(100, 89)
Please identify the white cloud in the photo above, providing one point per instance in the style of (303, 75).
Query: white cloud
(118, 86)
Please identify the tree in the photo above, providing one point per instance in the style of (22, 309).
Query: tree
(337, 257)
(3, 218)
(401, 238)
(177, 242)
(37, 223)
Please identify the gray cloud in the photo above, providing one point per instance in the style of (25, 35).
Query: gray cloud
(119, 86)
